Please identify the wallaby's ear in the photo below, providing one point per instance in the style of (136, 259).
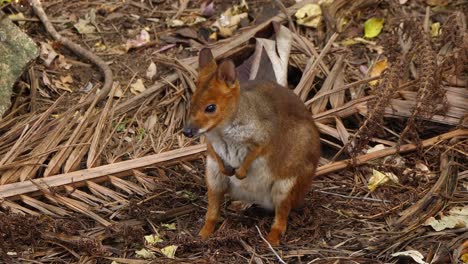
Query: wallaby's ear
(227, 73)
(205, 57)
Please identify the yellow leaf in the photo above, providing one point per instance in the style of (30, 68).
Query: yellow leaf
(137, 87)
(373, 27)
(309, 15)
(464, 258)
(377, 69)
(153, 239)
(169, 226)
(379, 178)
(145, 254)
(169, 251)
(435, 29)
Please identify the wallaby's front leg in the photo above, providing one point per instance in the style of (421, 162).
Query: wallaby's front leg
(226, 170)
(256, 151)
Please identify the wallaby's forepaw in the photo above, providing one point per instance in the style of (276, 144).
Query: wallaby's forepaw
(274, 237)
(241, 173)
(228, 170)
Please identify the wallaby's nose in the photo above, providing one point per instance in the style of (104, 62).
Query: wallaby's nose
(189, 131)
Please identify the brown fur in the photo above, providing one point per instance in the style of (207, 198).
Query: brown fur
(273, 130)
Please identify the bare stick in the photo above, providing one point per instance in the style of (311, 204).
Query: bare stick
(269, 246)
(78, 50)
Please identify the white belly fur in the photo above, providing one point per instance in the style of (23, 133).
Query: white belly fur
(256, 187)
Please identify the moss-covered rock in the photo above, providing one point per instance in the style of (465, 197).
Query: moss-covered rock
(17, 50)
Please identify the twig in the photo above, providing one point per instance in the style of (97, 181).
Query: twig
(353, 197)
(78, 50)
(288, 17)
(338, 165)
(269, 246)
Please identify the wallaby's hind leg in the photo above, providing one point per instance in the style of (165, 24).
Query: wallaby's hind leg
(278, 228)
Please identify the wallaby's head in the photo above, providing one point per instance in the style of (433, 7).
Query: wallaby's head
(216, 96)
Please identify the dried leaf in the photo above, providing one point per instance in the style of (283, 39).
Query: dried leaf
(309, 15)
(145, 254)
(169, 251)
(457, 218)
(139, 41)
(207, 10)
(278, 53)
(414, 254)
(137, 87)
(84, 26)
(185, 21)
(435, 29)
(151, 71)
(377, 70)
(373, 27)
(379, 178)
(64, 83)
(153, 239)
(47, 53)
(230, 19)
(169, 226)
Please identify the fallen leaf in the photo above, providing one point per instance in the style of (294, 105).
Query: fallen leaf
(402, 2)
(185, 21)
(151, 122)
(169, 226)
(278, 53)
(375, 148)
(435, 29)
(151, 71)
(145, 254)
(169, 251)
(414, 254)
(153, 239)
(139, 41)
(20, 17)
(207, 10)
(464, 258)
(64, 83)
(62, 62)
(377, 70)
(379, 178)
(373, 27)
(84, 26)
(137, 87)
(457, 218)
(47, 54)
(230, 19)
(309, 15)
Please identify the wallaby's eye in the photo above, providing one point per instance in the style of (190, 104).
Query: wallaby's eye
(210, 108)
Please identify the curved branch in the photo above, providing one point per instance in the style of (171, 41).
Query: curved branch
(77, 50)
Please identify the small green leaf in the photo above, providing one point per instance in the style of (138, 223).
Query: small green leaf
(373, 27)
(169, 226)
(145, 254)
(169, 251)
(153, 239)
